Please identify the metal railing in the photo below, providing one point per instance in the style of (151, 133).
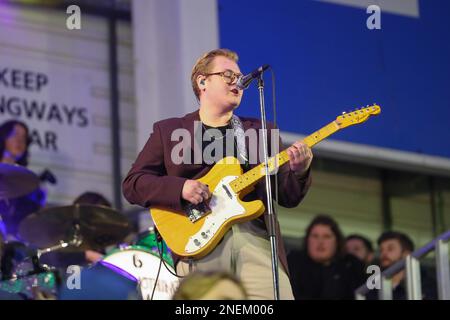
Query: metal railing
(412, 265)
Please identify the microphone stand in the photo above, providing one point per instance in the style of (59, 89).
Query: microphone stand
(271, 214)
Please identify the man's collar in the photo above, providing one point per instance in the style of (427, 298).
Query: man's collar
(189, 119)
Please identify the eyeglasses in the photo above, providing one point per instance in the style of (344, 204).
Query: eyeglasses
(228, 76)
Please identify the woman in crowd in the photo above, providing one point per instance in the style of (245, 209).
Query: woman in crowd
(321, 270)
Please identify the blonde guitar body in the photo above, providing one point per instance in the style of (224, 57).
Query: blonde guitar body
(197, 239)
(196, 234)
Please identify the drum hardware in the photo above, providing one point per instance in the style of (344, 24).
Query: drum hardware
(29, 275)
(68, 229)
(75, 228)
(75, 242)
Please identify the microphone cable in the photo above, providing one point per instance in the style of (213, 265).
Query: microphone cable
(161, 252)
(162, 261)
(159, 271)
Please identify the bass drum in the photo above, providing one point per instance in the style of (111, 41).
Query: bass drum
(143, 265)
(148, 241)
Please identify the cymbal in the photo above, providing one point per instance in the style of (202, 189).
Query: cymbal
(98, 227)
(16, 181)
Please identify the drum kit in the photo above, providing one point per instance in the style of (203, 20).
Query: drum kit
(146, 260)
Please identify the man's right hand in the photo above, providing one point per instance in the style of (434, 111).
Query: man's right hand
(195, 192)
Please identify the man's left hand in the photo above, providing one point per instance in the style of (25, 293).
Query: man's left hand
(300, 157)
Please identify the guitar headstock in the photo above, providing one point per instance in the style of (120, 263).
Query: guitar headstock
(357, 116)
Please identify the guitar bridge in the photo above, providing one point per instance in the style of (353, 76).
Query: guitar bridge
(196, 211)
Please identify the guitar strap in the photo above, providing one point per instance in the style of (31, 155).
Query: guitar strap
(238, 131)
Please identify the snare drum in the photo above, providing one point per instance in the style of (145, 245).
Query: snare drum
(143, 265)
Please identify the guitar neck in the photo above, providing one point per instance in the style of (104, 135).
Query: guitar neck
(252, 176)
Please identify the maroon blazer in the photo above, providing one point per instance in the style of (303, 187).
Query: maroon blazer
(154, 180)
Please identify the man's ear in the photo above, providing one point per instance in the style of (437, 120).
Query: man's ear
(201, 81)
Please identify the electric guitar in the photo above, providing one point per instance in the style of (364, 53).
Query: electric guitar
(197, 231)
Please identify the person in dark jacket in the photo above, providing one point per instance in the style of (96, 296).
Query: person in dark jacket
(321, 270)
(361, 247)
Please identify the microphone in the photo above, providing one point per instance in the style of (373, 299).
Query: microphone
(244, 81)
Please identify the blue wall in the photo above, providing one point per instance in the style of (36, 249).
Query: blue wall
(326, 61)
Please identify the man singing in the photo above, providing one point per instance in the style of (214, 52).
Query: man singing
(156, 179)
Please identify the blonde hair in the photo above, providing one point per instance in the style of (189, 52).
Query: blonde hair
(197, 284)
(203, 65)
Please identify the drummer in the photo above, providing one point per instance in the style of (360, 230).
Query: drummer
(14, 144)
(64, 259)
(98, 200)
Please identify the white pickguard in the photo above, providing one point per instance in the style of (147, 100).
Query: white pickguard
(223, 208)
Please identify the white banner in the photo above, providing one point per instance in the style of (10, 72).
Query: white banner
(56, 80)
(54, 102)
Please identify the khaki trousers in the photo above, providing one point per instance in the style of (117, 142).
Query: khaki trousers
(245, 253)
